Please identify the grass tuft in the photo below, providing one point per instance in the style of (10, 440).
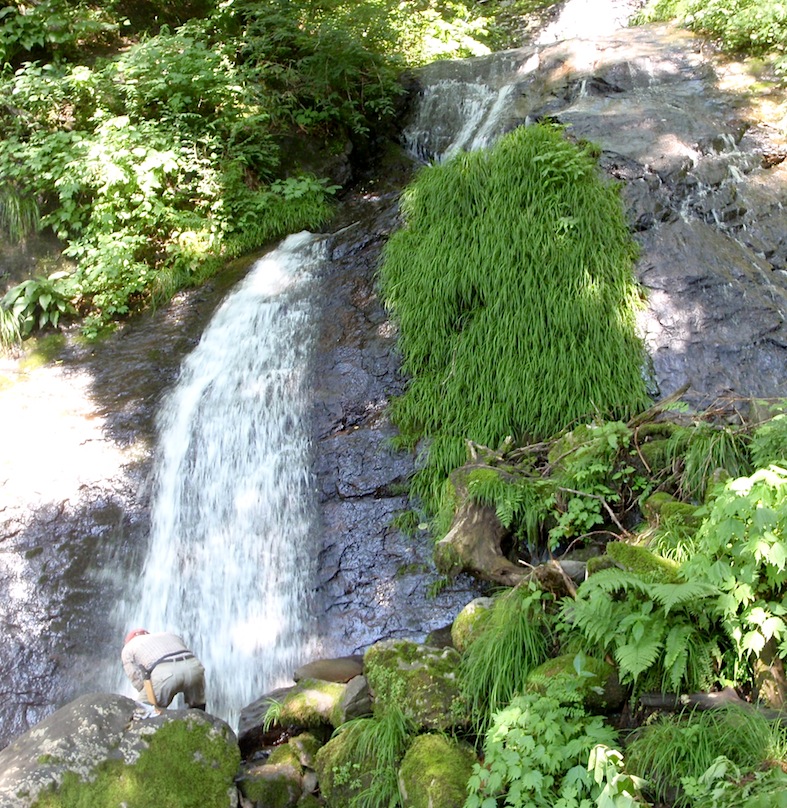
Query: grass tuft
(512, 285)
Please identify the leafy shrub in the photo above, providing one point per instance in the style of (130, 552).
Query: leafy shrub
(742, 550)
(769, 441)
(657, 631)
(725, 785)
(38, 302)
(535, 755)
(754, 27)
(504, 281)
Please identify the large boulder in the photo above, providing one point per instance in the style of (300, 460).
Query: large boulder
(106, 750)
(423, 681)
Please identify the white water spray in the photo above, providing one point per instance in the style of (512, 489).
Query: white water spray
(230, 557)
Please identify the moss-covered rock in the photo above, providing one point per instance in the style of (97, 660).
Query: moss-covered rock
(276, 783)
(179, 759)
(342, 774)
(423, 681)
(641, 561)
(434, 773)
(566, 676)
(662, 507)
(468, 621)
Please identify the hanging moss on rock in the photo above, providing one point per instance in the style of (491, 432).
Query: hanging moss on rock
(512, 284)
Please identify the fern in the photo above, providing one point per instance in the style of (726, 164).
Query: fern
(656, 632)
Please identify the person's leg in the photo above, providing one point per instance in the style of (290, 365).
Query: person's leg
(166, 683)
(193, 683)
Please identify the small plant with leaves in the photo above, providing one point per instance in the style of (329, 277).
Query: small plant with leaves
(38, 302)
(535, 756)
(619, 789)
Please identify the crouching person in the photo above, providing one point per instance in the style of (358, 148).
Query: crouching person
(160, 666)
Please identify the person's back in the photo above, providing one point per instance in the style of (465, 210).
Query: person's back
(160, 666)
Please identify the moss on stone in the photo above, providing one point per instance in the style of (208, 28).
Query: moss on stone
(597, 686)
(420, 679)
(188, 764)
(469, 621)
(311, 703)
(305, 746)
(285, 754)
(434, 773)
(641, 561)
(341, 773)
(273, 784)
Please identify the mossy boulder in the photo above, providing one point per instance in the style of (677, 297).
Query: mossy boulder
(103, 751)
(310, 704)
(594, 680)
(661, 507)
(276, 783)
(434, 773)
(341, 773)
(469, 621)
(420, 679)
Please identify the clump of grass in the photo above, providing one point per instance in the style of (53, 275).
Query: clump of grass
(512, 284)
(676, 747)
(515, 639)
(704, 451)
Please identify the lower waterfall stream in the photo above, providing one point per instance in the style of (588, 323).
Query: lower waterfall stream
(229, 563)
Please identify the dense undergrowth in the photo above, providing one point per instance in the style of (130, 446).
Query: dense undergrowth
(512, 283)
(151, 138)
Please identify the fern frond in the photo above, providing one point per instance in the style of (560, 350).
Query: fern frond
(671, 595)
(635, 657)
(611, 580)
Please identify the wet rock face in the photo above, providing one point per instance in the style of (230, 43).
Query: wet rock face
(371, 576)
(703, 184)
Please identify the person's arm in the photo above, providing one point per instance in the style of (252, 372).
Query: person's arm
(132, 669)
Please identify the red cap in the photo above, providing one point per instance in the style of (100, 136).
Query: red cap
(135, 633)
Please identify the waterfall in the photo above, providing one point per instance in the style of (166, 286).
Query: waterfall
(230, 559)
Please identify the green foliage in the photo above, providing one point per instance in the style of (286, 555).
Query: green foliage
(725, 785)
(512, 285)
(56, 28)
(591, 471)
(535, 754)
(704, 450)
(755, 27)
(520, 500)
(658, 632)
(769, 442)
(19, 215)
(38, 302)
(674, 748)
(514, 639)
(378, 744)
(619, 788)
(742, 551)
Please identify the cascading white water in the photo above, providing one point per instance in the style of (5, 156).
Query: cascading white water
(456, 115)
(230, 558)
